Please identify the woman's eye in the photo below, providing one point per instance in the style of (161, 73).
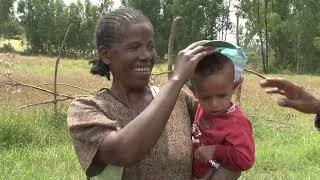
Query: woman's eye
(151, 47)
(133, 47)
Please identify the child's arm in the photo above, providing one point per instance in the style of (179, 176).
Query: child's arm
(238, 153)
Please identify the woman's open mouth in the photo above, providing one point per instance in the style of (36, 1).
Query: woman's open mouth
(142, 69)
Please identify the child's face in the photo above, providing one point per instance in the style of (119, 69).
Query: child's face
(214, 92)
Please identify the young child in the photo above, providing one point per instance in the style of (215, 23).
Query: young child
(221, 134)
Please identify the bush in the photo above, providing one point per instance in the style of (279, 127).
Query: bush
(7, 48)
(27, 52)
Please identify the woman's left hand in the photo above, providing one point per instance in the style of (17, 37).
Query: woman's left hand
(225, 174)
(188, 59)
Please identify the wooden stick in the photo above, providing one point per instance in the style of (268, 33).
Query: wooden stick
(170, 44)
(17, 83)
(256, 73)
(44, 102)
(69, 85)
(56, 70)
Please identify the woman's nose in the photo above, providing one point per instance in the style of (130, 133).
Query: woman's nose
(145, 54)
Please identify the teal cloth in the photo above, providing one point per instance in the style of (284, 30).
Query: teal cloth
(234, 53)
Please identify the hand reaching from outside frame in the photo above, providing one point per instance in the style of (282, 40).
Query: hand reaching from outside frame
(295, 96)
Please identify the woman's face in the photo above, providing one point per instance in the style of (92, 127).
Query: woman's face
(132, 59)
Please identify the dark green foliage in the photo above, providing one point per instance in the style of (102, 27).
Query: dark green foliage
(200, 20)
(293, 32)
(46, 21)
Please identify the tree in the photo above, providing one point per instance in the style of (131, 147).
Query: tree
(45, 22)
(6, 9)
(289, 28)
(9, 26)
(252, 11)
(199, 20)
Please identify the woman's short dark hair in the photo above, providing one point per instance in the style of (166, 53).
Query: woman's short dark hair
(110, 29)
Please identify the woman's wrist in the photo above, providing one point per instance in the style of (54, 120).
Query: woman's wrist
(176, 79)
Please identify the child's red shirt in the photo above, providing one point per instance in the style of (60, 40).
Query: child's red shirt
(231, 133)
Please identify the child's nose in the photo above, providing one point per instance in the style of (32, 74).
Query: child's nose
(214, 103)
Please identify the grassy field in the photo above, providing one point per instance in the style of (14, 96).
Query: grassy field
(35, 145)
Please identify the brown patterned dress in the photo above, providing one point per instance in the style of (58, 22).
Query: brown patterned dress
(91, 119)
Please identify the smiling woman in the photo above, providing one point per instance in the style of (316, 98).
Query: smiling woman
(143, 130)
(132, 56)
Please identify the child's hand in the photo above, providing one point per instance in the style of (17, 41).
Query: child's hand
(205, 153)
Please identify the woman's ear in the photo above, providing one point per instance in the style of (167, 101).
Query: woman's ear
(105, 55)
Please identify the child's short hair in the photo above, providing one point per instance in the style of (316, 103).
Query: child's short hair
(212, 64)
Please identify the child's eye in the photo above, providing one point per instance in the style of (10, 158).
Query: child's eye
(205, 98)
(222, 95)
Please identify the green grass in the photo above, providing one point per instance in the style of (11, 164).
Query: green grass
(284, 153)
(35, 145)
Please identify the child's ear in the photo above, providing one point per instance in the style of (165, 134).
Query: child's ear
(235, 86)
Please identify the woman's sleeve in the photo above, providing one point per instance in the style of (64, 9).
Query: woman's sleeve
(88, 126)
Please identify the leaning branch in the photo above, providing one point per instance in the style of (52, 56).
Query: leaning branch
(17, 83)
(56, 69)
(69, 85)
(256, 73)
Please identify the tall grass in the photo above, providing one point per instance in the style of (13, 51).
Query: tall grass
(35, 144)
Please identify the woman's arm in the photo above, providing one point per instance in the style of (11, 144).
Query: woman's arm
(131, 143)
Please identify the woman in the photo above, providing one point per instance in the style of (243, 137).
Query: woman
(131, 125)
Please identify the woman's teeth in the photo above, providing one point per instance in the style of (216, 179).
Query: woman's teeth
(142, 69)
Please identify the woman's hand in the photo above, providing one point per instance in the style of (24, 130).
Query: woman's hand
(295, 96)
(225, 174)
(205, 153)
(188, 59)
